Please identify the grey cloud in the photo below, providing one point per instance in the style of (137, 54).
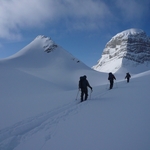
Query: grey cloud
(76, 15)
(18, 14)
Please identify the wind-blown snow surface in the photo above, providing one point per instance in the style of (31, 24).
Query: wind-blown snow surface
(39, 110)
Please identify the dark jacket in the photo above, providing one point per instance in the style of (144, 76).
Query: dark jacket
(83, 83)
(127, 76)
(111, 77)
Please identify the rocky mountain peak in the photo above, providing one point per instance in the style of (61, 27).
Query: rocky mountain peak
(48, 44)
(132, 46)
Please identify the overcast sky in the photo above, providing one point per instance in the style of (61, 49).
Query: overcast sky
(82, 27)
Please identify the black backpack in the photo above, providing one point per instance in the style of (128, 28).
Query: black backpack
(82, 82)
(110, 77)
(128, 75)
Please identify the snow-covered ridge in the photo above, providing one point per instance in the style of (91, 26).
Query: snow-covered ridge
(44, 59)
(39, 49)
(127, 49)
(130, 32)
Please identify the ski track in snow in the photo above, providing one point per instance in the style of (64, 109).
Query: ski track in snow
(12, 136)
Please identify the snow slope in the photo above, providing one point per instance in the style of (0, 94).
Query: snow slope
(38, 75)
(38, 111)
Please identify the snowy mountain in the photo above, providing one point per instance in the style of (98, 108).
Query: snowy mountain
(45, 59)
(39, 70)
(128, 51)
(40, 109)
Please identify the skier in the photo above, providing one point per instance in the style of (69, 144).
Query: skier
(83, 84)
(128, 76)
(111, 78)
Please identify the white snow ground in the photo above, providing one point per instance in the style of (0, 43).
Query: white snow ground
(39, 110)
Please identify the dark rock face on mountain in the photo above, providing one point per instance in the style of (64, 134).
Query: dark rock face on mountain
(128, 48)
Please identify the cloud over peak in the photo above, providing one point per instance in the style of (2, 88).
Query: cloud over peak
(76, 15)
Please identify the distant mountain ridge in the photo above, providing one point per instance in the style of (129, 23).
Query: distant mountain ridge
(127, 49)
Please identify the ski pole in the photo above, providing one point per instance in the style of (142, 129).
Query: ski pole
(90, 94)
(116, 84)
(77, 95)
(107, 85)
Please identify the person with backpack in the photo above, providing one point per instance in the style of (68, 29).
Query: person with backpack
(128, 76)
(111, 78)
(83, 85)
